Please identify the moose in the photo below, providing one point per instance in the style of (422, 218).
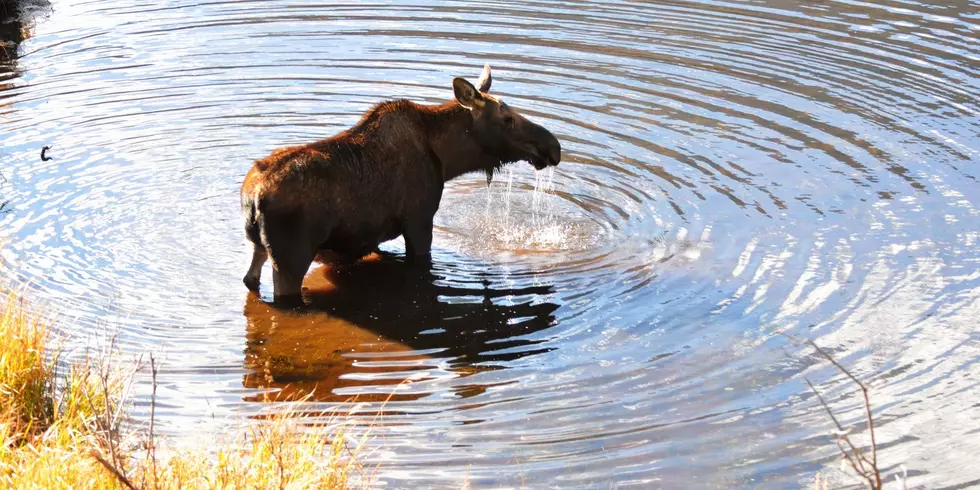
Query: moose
(381, 178)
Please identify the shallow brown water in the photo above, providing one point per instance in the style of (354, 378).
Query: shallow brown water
(732, 172)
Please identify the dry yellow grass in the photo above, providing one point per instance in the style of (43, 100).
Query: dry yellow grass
(60, 432)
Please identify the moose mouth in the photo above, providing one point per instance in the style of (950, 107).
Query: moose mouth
(541, 161)
(542, 157)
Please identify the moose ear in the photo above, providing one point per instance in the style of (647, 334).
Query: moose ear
(466, 94)
(485, 79)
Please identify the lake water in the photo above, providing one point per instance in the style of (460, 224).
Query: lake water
(735, 177)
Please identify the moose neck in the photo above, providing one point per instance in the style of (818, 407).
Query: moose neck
(450, 137)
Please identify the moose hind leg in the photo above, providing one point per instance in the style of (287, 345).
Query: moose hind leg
(254, 274)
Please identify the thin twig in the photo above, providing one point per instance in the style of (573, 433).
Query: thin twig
(841, 431)
(865, 468)
(91, 404)
(3, 180)
(125, 394)
(104, 378)
(867, 409)
(277, 445)
(864, 390)
(153, 408)
(121, 477)
(841, 435)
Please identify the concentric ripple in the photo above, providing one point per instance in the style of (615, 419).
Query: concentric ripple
(736, 176)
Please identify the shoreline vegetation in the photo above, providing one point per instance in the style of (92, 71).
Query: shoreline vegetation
(63, 429)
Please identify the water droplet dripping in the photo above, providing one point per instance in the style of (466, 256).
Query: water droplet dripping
(486, 212)
(510, 185)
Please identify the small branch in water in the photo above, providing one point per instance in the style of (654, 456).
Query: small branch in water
(4, 209)
(865, 468)
(214, 196)
(153, 407)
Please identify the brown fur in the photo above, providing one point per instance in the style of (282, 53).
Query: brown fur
(379, 179)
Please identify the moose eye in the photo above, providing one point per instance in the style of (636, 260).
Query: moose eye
(508, 120)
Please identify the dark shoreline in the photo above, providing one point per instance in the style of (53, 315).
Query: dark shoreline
(16, 19)
(11, 26)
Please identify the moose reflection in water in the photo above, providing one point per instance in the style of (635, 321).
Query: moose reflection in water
(365, 323)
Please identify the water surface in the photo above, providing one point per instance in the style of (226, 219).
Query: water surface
(735, 175)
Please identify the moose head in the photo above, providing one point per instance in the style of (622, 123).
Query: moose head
(501, 130)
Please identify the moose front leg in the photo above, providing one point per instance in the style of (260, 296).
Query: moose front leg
(251, 279)
(418, 239)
